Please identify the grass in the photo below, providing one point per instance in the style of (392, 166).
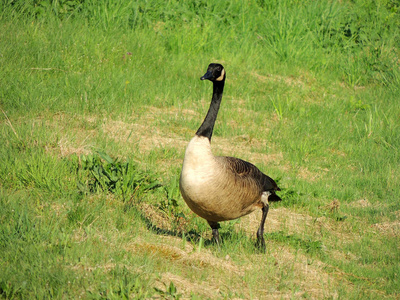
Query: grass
(99, 100)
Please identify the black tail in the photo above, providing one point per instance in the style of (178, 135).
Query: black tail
(274, 197)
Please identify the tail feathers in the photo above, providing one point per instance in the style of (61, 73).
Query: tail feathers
(274, 197)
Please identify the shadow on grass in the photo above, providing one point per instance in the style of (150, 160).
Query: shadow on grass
(228, 236)
(191, 235)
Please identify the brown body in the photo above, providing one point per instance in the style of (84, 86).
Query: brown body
(220, 188)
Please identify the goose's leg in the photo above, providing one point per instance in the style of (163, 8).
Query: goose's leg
(260, 231)
(214, 226)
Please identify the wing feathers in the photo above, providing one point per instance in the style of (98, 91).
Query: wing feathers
(246, 171)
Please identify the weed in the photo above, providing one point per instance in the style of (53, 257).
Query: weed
(110, 175)
(8, 290)
(170, 293)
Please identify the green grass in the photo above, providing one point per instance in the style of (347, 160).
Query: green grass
(98, 101)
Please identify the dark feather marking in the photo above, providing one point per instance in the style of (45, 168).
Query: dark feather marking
(248, 171)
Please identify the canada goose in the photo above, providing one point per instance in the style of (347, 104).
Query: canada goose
(221, 188)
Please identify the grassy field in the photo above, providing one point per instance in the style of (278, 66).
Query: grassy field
(100, 98)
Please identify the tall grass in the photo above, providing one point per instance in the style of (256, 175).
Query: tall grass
(352, 42)
(311, 97)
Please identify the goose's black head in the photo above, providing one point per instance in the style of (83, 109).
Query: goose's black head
(215, 72)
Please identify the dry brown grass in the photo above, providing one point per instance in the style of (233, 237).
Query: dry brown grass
(67, 147)
(289, 80)
(280, 271)
(240, 147)
(77, 135)
(361, 203)
(388, 228)
(155, 216)
(290, 222)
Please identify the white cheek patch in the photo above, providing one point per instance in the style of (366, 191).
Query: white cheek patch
(220, 78)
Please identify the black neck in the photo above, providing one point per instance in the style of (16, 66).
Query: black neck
(206, 128)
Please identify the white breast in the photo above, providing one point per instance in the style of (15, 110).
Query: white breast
(198, 164)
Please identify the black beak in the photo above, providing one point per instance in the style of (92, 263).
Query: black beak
(208, 75)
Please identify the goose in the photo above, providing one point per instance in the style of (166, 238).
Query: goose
(222, 188)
